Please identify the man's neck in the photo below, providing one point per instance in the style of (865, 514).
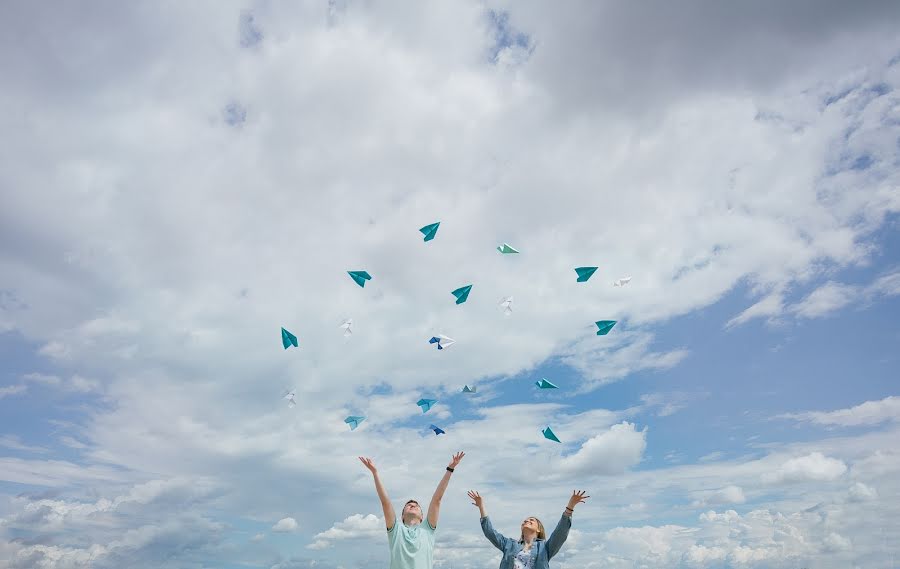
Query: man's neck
(412, 522)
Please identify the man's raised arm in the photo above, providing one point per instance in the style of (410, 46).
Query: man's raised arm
(434, 508)
(390, 518)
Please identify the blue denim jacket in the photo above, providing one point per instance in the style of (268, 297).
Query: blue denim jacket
(543, 550)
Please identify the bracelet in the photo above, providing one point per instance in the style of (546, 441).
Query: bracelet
(569, 509)
(449, 469)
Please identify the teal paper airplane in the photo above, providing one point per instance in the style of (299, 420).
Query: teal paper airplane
(467, 389)
(426, 404)
(544, 384)
(288, 339)
(506, 249)
(354, 421)
(584, 273)
(604, 326)
(360, 277)
(429, 231)
(548, 434)
(462, 293)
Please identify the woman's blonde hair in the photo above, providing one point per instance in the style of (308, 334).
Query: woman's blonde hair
(540, 533)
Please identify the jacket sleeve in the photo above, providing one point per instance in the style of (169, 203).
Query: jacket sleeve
(559, 535)
(498, 539)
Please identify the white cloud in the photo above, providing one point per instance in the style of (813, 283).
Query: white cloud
(769, 306)
(610, 452)
(13, 442)
(860, 492)
(826, 299)
(12, 390)
(728, 495)
(46, 379)
(182, 324)
(835, 543)
(812, 467)
(865, 414)
(355, 527)
(285, 525)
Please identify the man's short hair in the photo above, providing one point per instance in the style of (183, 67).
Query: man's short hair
(412, 502)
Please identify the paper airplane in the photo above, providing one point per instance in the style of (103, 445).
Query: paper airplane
(437, 430)
(544, 384)
(360, 277)
(289, 396)
(354, 421)
(506, 305)
(506, 249)
(622, 282)
(442, 341)
(467, 389)
(604, 326)
(584, 273)
(288, 339)
(548, 434)
(430, 230)
(462, 293)
(426, 404)
(347, 325)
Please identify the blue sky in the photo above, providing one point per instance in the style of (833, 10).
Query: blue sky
(201, 186)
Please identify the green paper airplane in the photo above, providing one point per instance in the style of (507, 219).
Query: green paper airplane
(584, 273)
(548, 434)
(604, 326)
(506, 249)
(288, 339)
(467, 389)
(544, 384)
(360, 277)
(354, 421)
(426, 404)
(462, 293)
(430, 230)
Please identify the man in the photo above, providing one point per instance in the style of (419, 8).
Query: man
(411, 541)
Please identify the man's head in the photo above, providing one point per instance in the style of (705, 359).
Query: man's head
(412, 513)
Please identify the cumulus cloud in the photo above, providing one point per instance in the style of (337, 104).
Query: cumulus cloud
(285, 525)
(610, 452)
(357, 526)
(812, 467)
(860, 492)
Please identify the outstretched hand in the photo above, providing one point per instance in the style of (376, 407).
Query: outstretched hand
(578, 496)
(477, 500)
(456, 459)
(369, 464)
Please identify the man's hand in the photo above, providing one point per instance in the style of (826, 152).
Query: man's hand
(369, 464)
(456, 459)
(477, 500)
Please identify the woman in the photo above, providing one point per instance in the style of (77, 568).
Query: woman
(531, 551)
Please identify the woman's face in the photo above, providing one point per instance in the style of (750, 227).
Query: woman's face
(530, 524)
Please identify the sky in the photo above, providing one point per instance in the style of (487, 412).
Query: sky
(179, 181)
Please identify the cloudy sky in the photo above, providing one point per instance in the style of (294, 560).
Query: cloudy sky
(180, 180)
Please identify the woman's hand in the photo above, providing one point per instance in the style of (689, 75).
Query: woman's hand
(477, 500)
(578, 496)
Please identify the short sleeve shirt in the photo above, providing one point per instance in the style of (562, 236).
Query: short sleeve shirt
(412, 547)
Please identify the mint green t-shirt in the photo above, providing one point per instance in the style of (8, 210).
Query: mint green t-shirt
(412, 547)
